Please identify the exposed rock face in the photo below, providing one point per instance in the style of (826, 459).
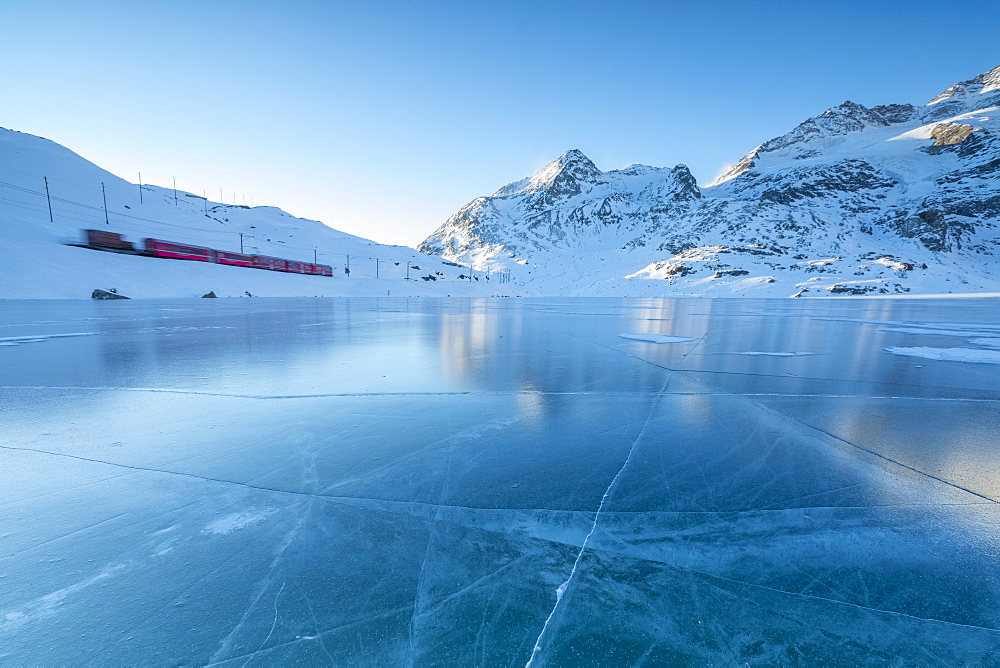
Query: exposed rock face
(946, 134)
(920, 184)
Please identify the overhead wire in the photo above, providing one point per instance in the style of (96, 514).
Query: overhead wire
(212, 234)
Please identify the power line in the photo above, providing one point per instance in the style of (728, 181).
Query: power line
(223, 237)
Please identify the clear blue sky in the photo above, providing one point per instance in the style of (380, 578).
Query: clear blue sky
(383, 118)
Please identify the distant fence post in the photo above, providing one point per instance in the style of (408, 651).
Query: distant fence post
(105, 196)
(48, 198)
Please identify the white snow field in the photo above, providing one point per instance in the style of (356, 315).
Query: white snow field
(486, 482)
(36, 262)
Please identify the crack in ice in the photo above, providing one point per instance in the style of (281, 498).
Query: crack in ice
(388, 505)
(815, 597)
(681, 373)
(561, 589)
(889, 459)
(544, 393)
(273, 625)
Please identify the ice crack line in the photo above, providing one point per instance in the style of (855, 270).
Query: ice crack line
(561, 589)
(273, 625)
(514, 393)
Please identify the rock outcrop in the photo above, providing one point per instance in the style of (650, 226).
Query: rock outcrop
(105, 294)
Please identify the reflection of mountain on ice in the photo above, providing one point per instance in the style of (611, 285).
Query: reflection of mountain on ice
(393, 481)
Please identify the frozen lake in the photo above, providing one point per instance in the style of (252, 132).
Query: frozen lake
(402, 482)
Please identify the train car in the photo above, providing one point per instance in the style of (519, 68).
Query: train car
(112, 241)
(269, 263)
(234, 259)
(105, 239)
(159, 248)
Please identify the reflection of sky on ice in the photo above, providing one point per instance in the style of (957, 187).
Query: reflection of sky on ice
(394, 481)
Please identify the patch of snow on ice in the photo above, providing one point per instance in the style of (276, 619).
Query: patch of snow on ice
(936, 332)
(230, 523)
(950, 354)
(758, 352)
(989, 343)
(657, 338)
(49, 605)
(18, 340)
(492, 425)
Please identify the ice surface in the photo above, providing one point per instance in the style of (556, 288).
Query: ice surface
(392, 481)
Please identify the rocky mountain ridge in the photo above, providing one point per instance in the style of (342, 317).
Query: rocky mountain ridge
(890, 199)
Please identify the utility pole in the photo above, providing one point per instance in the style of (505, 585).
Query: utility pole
(175, 191)
(205, 195)
(105, 196)
(241, 242)
(407, 270)
(376, 267)
(348, 266)
(48, 198)
(315, 261)
(140, 187)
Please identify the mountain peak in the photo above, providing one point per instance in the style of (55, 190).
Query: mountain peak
(573, 155)
(984, 83)
(561, 177)
(564, 175)
(574, 161)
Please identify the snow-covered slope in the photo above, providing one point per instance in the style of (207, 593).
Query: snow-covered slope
(35, 261)
(892, 199)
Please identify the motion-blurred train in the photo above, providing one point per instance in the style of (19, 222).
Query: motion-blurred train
(112, 241)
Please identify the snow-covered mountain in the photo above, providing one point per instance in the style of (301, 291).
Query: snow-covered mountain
(892, 199)
(36, 262)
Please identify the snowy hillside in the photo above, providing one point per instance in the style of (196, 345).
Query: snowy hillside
(37, 263)
(889, 200)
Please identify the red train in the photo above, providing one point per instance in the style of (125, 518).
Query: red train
(103, 240)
